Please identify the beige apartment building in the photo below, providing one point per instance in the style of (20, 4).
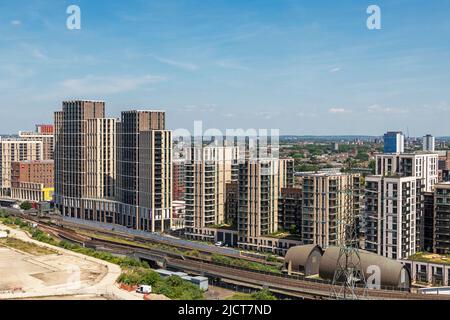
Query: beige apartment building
(45, 134)
(144, 171)
(101, 158)
(330, 202)
(207, 172)
(13, 150)
(258, 201)
(84, 161)
(286, 173)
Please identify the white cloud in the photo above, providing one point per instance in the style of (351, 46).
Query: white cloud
(267, 115)
(334, 70)
(99, 85)
(337, 110)
(380, 109)
(177, 64)
(16, 23)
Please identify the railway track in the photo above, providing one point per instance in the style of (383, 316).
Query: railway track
(293, 286)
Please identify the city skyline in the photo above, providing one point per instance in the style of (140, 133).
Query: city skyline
(303, 68)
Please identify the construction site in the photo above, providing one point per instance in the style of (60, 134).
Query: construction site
(33, 270)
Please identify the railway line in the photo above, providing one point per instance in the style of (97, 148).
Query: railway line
(290, 286)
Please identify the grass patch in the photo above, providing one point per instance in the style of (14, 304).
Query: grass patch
(27, 247)
(430, 258)
(257, 266)
(172, 287)
(262, 295)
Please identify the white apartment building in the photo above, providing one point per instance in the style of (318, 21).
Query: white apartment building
(420, 165)
(13, 150)
(207, 171)
(392, 207)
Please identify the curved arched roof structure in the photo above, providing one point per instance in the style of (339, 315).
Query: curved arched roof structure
(391, 272)
(311, 259)
(304, 259)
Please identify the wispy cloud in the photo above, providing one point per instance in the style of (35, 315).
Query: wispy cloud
(381, 109)
(334, 70)
(267, 115)
(337, 110)
(99, 85)
(177, 64)
(16, 23)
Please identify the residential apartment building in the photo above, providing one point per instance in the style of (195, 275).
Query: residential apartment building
(231, 203)
(290, 210)
(428, 142)
(331, 204)
(286, 173)
(422, 165)
(441, 241)
(44, 133)
(178, 172)
(110, 171)
(13, 150)
(258, 201)
(144, 176)
(84, 161)
(32, 180)
(207, 172)
(426, 226)
(393, 207)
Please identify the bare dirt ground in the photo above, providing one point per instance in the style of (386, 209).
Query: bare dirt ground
(54, 273)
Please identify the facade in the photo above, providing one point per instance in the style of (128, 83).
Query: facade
(84, 156)
(428, 143)
(330, 201)
(178, 171)
(393, 207)
(178, 215)
(290, 210)
(44, 133)
(420, 165)
(441, 221)
(144, 171)
(13, 150)
(427, 224)
(286, 174)
(258, 201)
(110, 171)
(208, 170)
(394, 142)
(231, 203)
(32, 180)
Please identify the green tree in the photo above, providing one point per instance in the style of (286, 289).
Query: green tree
(25, 205)
(263, 295)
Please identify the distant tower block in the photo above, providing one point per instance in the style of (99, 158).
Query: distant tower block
(428, 143)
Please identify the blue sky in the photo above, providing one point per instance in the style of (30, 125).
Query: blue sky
(305, 67)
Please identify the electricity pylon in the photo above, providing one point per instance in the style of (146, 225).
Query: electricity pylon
(349, 282)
